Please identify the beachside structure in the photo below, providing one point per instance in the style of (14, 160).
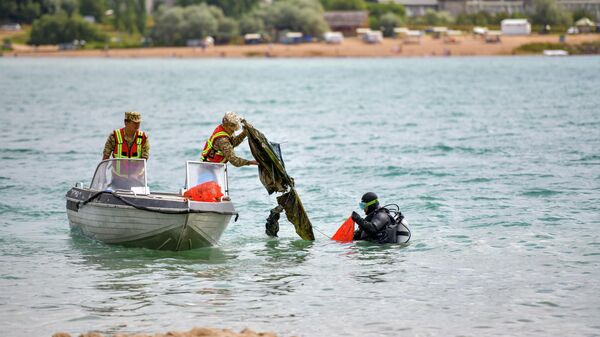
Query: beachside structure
(585, 25)
(360, 32)
(252, 38)
(291, 38)
(439, 32)
(373, 36)
(492, 36)
(11, 27)
(333, 37)
(515, 27)
(401, 32)
(413, 37)
(452, 36)
(455, 7)
(347, 22)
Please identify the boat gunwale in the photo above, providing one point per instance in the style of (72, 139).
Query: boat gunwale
(185, 209)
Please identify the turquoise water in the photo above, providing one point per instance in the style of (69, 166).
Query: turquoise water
(494, 161)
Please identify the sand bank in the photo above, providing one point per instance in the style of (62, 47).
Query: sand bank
(195, 332)
(351, 47)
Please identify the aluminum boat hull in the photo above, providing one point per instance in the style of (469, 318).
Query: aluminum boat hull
(160, 221)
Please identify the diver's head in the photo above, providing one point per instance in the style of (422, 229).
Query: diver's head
(369, 202)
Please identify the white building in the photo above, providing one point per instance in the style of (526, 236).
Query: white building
(515, 27)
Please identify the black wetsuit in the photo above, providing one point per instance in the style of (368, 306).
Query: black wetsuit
(374, 226)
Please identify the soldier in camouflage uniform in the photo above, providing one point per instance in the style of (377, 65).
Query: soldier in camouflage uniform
(134, 141)
(219, 146)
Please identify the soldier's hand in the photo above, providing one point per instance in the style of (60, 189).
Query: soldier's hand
(252, 162)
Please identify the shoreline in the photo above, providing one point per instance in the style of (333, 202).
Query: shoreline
(350, 48)
(194, 332)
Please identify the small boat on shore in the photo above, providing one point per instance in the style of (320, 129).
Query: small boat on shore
(118, 208)
(555, 52)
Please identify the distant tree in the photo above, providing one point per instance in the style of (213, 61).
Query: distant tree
(129, 15)
(344, 5)
(581, 13)
(304, 16)
(19, 11)
(497, 19)
(198, 23)
(549, 12)
(176, 25)
(60, 28)
(379, 9)
(228, 28)
(69, 6)
(234, 8)
(476, 19)
(169, 24)
(95, 8)
(55, 6)
(388, 22)
(436, 18)
(251, 23)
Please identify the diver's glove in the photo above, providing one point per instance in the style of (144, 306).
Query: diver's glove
(356, 218)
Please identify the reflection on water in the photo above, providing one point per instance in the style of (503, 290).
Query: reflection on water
(376, 261)
(282, 273)
(115, 257)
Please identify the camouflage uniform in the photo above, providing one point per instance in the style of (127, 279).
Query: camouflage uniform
(110, 144)
(226, 145)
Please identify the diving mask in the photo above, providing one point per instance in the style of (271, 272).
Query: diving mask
(363, 205)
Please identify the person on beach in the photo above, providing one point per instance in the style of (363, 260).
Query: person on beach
(380, 224)
(219, 146)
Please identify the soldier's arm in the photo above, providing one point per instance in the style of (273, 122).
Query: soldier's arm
(108, 146)
(225, 146)
(146, 149)
(237, 140)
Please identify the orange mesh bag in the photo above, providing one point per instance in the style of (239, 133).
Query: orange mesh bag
(209, 191)
(345, 232)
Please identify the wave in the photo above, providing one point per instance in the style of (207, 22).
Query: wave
(540, 192)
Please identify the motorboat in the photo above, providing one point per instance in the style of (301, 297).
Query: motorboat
(119, 208)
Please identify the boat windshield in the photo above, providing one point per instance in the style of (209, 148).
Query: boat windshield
(121, 174)
(198, 172)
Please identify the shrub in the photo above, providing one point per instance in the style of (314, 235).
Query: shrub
(388, 22)
(592, 47)
(304, 16)
(176, 25)
(60, 28)
(251, 23)
(344, 5)
(548, 12)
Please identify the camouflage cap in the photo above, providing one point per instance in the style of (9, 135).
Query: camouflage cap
(232, 119)
(133, 116)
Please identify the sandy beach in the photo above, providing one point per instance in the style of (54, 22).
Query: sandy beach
(351, 47)
(195, 332)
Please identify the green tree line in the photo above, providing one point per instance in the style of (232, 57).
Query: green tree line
(225, 20)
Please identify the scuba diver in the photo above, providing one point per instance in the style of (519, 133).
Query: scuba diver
(381, 225)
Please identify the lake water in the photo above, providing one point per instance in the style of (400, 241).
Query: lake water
(495, 162)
